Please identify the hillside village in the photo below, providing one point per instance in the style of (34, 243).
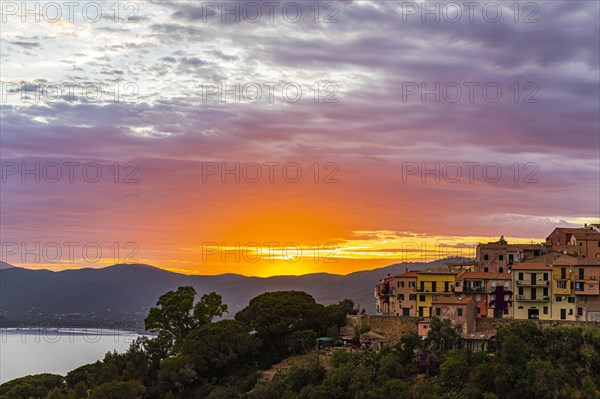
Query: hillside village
(558, 280)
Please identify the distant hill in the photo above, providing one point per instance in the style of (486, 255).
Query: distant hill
(123, 293)
(4, 265)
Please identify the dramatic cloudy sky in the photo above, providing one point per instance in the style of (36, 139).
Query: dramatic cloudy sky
(139, 95)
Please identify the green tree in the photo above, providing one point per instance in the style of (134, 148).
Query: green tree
(275, 316)
(118, 389)
(217, 349)
(55, 393)
(33, 386)
(301, 341)
(442, 335)
(176, 315)
(79, 392)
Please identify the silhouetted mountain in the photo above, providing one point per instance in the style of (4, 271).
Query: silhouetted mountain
(4, 265)
(126, 291)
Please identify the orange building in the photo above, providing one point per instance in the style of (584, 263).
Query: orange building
(587, 289)
(461, 310)
(583, 242)
(500, 256)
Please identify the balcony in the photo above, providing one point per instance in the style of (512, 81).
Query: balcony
(526, 298)
(538, 283)
(589, 278)
(435, 292)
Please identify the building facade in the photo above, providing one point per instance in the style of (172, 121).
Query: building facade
(556, 280)
(460, 309)
(491, 292)
(532, 291)
(432, 284)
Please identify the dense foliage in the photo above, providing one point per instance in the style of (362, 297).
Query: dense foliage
(196, 357)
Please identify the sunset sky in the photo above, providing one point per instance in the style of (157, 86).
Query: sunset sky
(162, 143)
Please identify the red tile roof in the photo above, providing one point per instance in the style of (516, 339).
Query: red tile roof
(484, 276)
(453, 300)
(530, 266)
(408, 274)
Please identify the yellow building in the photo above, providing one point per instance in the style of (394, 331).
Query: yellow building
(532, 291)
(564, 305)
(434, 283)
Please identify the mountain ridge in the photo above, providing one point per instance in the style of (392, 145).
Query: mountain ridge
(123, 293)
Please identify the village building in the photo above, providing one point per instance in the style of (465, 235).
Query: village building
(491, 292)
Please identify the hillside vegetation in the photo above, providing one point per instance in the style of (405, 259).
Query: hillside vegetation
(196, 357)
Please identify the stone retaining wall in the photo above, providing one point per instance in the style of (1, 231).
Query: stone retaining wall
(397, 326)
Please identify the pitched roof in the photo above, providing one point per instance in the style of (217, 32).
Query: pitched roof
(485, 276)
(587, 235)
(453, 300)
(560, 259)
(408, 274)
(527, 247)
(436, 271)
(530, 266)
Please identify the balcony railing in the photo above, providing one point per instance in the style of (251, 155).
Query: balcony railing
(589, 278)
(529, 299)
(473, 289)
(536, 283)
(434, 292)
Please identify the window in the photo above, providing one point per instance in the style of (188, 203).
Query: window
(545, 276)
(485, 269)
(438, 311)
(563, 273)
(433, 286)
(412, 297)
(505, 310)
(500, 257)
(570, 312)
(446, 286)
(478, 297)
(412, 284)
(422, 298)
(422, 288)
(545, 309)
(458, 283)
(581, 273)
(579, 311)
(501, 270)
(545, 291)
(571, 299)
(520, 290)
(561, 285)
(558, 299)
(400, 297)
(460, 312)
(486, 257)
(578, 286)
(580, 244)
(520, 275)
(478, 310)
